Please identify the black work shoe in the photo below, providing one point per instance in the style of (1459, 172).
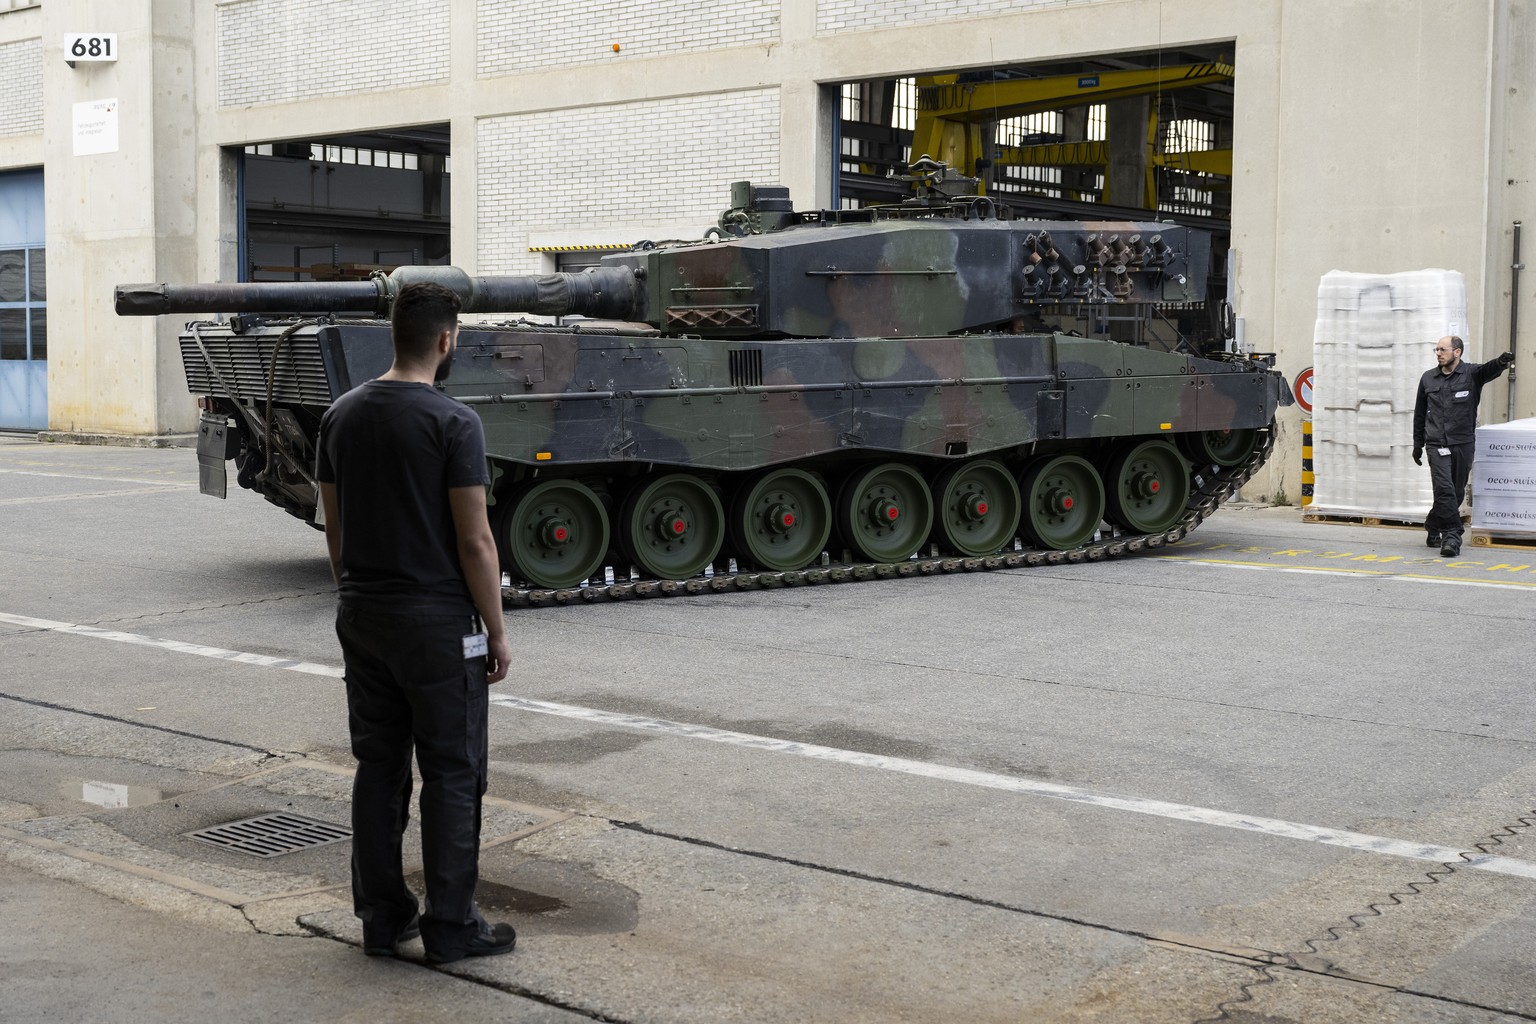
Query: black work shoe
(1451, 547)
(1434, 539)
(391, 948)
(491, 940)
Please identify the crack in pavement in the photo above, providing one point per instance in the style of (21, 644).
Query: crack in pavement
(267, 755)
(1267, 961)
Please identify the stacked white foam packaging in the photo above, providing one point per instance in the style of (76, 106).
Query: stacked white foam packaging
(1375, 336)
(1504, 478)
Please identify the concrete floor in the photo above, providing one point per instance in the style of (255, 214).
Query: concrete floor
(1279, 772)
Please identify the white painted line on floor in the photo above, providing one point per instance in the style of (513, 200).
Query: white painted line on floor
(944, 773)
(947, 773)
(97, 633)
(108, 479)
(41, 498)
(1402, 577)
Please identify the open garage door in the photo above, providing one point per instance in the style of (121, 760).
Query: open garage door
(341, 207)
(1122, 137)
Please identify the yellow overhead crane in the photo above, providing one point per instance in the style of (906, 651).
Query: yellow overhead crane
(950, 115)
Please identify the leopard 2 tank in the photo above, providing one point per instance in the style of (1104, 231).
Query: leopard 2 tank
(799, 397)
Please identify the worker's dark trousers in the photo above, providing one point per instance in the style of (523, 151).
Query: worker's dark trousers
(1448, 476)
(408, 682)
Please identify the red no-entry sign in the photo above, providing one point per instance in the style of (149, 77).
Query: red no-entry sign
(1303, 389)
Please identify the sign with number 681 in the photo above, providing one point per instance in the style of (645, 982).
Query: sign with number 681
(90, 46)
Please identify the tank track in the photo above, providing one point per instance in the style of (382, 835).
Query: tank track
(1207, 491)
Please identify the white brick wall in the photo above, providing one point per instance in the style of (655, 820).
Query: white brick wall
(21, 99)
(558, 33)
(271, 51)
(856, 15)
(620, 169)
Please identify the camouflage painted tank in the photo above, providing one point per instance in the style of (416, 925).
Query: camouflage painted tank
(801, 397)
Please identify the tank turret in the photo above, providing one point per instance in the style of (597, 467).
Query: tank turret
(941, 264)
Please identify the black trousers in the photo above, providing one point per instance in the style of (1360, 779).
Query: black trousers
(409, 684)
(1448, 476)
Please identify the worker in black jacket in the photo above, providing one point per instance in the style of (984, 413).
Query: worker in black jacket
(1445, 418)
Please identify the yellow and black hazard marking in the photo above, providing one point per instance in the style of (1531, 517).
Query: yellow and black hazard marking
(594, 247)
(1307, 479)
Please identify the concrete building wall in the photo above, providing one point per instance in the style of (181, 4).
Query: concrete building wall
(858, 15)
(1378, 169)
(655, 165)
(1511, 197)
(1370, 135)
(119, 216)
(563, 33)
(21, 106)
(276, 51)
(21, 102)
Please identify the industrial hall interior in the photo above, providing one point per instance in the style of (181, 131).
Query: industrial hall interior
(302, 141)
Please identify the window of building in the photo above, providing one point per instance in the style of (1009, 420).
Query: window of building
(1098, 122)
(324, 153)
(1188, 135)
(1030, 130)
(904, 105)
(23, 304)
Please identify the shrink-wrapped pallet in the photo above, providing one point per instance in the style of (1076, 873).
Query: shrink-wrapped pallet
(1504, 479)
(1375, 336)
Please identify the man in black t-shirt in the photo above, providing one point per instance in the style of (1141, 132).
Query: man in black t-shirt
(402, 485)
(1445, 418)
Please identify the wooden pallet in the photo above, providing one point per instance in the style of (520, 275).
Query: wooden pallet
(1490, 539)
(1360, 520)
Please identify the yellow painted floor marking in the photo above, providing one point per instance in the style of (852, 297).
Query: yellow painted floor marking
(1323, 571)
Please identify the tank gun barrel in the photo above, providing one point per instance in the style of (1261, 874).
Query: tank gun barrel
(251, 297)
(604, 292)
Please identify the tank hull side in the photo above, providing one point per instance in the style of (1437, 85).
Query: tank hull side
(551, 399)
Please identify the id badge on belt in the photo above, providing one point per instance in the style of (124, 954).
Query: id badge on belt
(1443, 452)
(475, 646)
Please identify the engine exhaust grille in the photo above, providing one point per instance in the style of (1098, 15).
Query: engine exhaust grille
(746, 367)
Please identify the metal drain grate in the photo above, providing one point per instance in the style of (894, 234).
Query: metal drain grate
(271, 835)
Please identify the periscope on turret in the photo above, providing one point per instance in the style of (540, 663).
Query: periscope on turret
(796, 389)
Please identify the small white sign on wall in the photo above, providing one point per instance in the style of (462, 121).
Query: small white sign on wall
(95, 127)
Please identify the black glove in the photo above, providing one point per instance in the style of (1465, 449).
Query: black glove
(1506, 359)
(1418, 456)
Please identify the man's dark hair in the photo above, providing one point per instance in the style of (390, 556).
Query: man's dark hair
(422, 312)
(1457, 345)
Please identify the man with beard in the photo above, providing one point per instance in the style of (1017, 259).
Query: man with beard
(1445, 417)
(402, 483)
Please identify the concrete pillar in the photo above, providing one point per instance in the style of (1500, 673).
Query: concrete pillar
(125, 214)
(1074, 128)
(1511, 184)
(1125, 179)
(807, 111)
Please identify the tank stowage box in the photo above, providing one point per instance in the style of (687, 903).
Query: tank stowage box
(799, 397)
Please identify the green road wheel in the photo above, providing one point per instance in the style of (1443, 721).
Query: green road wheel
(1063, 502)
(1148, 486)
(884, 512)
(976, 509)
(1230, 447)
(781, 519)
(672, 526)
(553, 533)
